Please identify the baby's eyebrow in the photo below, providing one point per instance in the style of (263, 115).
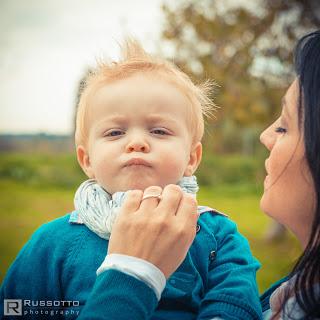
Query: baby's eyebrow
(110, 121)
(153, 118)
(114, 118)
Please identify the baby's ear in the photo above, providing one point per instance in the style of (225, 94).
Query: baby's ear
(194, 160)
(84, 161)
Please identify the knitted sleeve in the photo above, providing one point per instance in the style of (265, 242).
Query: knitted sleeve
(33, 276)
(118, 296)
(44, 267)
(232, 289)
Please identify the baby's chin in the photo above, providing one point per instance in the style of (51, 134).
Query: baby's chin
(136, 185)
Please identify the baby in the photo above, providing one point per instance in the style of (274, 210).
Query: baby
(139, 124)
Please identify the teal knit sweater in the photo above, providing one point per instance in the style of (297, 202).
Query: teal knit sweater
(59, 263)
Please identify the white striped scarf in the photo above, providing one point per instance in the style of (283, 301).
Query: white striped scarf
(98, 209)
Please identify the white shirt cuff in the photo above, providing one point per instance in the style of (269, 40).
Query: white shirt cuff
(138, 268)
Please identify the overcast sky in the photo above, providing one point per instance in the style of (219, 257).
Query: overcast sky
(45, 46)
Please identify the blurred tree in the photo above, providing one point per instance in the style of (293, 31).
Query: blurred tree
(246, 46)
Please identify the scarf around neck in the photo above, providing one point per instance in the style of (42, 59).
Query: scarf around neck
(98, 209)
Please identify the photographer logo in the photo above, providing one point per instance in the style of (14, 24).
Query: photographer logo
(12, 307)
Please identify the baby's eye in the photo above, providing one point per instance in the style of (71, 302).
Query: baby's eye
(114, 133)
(161, 132)
(281, 130)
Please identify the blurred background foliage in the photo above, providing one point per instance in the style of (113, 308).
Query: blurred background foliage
(246, 47)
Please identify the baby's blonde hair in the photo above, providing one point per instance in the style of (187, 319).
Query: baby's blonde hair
(136, 60)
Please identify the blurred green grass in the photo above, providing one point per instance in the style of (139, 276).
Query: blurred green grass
(37, 188)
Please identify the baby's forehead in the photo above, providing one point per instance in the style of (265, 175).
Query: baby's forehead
(143, 84)
(139, 93)
(136, 113)
(139, 113)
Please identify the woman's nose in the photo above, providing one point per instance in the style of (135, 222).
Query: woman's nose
(137, 144)
(267, 138)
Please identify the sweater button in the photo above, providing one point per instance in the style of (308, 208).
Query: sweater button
(212, 255)
(198, 228)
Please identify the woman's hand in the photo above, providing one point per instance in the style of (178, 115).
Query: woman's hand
(157, 230)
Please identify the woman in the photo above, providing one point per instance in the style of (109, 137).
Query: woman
(292, 186)
(291, 196)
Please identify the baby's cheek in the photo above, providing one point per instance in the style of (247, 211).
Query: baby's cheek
(175, 168)
(101, 171)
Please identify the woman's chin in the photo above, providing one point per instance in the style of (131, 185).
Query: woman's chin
(264, 204)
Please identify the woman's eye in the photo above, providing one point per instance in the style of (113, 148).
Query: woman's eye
(159, 131)
(114, 133)
(280, 130)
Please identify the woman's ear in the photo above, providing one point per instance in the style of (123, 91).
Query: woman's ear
(84, 161)
(194, 159)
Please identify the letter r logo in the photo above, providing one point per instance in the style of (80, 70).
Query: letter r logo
(12, 307)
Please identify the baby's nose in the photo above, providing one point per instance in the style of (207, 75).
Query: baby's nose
(137, 145)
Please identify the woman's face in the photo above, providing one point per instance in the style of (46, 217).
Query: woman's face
(289, 195)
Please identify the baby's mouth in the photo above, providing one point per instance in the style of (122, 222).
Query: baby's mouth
(137, 162)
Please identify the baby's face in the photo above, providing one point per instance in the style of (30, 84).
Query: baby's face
(138, 135)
